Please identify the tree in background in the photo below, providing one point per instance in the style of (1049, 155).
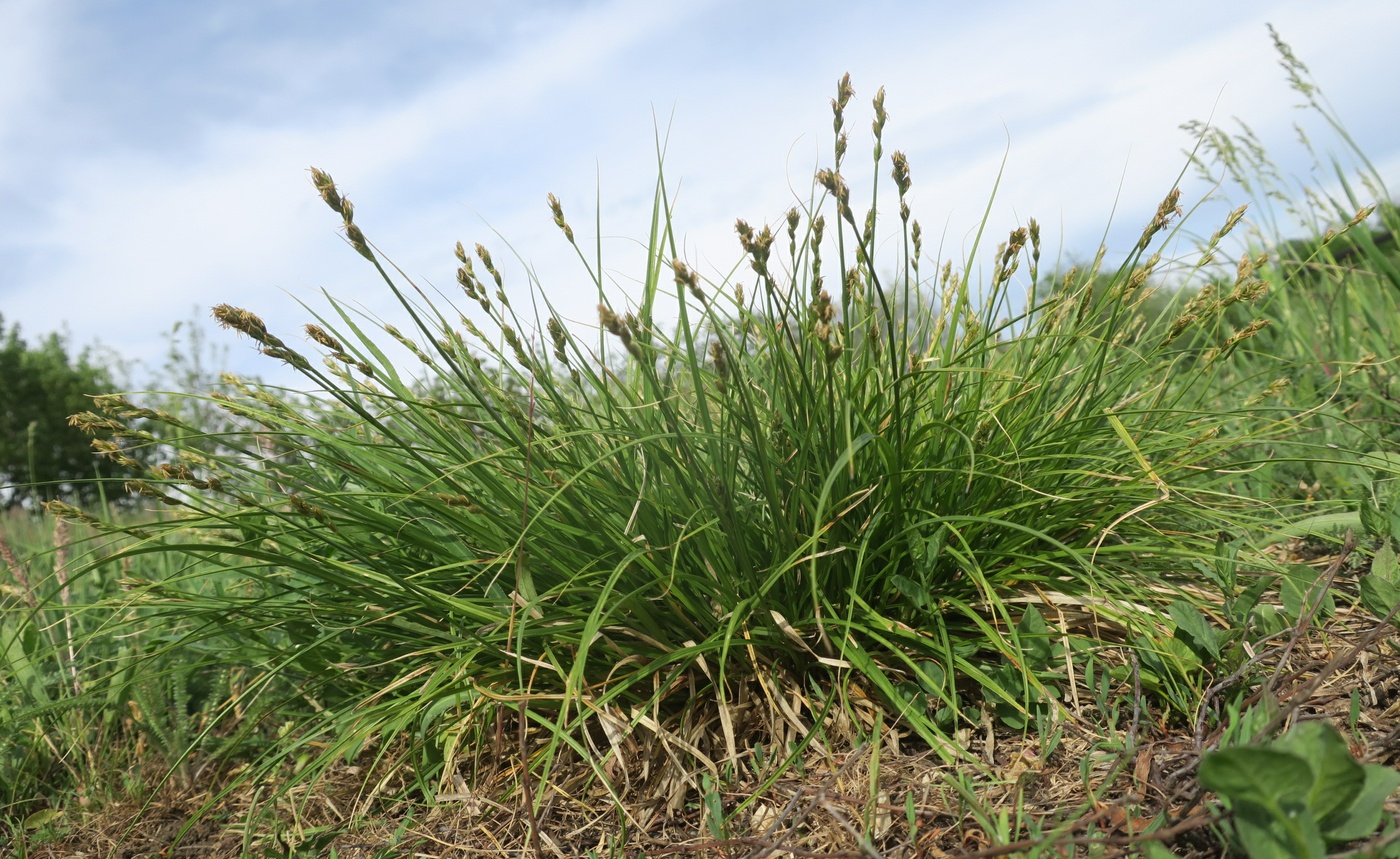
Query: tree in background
(41, 456)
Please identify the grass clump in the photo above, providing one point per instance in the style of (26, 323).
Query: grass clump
(830, 496)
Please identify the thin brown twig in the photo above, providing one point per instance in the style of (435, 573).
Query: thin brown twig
(1195, 821)
(525, 787)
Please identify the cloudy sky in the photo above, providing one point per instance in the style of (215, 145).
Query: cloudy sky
(153, 154)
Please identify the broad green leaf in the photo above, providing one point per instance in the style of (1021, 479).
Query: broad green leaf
(1363, 816)
(1338, 776)
(1386, 565)
(40, 819)
(1247, 600)
(1302, 584)
(1034, 637)
(1379, 595)
(932, 678)
(1257, 775)
(1373, 521)
(912, 590)
(1286, 832)
(1268, 620)
(1323, 525)
(1194, 629)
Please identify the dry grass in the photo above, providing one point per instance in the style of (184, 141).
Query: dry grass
(1101, 783)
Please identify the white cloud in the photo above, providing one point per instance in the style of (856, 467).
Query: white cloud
(127, 240)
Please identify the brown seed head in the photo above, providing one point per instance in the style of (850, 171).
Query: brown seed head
(900, 172)
(1360, 216)
(617, 328)
(1230, 223)
(357, 241)
(326, 188)
(756, 245)
(687, 278)
(720, 361)
(1165, 212)
(241, 320)
(302, 506)
(91, 424)
(317, 333)
(1244, 269)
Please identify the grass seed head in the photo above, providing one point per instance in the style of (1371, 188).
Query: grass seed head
(325, 186)
(757, 245)
(455, 500)
(1363, 214)
(618, 329)
(141, 487)
(241, 320)
(91, 424)
(844, 92)
(1169, 208)
(287, 356)
(558, 212)
(114, 452)
(1231, 222)
(513, 340)
(306, 508)
(851, 285)
(1244, 269)
(485, 256)
(357, 240)
(877, 125)
(721, 363)
(687, 278)
(1254, 327)
(317, 333)
(559, 338)
(1274, 388)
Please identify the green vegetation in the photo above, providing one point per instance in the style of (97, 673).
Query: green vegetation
(863, 551)
(41, 456)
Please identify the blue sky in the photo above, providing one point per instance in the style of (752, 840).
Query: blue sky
(153, 154)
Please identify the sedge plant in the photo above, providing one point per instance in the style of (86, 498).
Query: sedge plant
(814, 501)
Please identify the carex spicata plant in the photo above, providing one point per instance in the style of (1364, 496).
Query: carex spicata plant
(828, 474)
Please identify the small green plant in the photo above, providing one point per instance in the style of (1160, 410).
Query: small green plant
(1300, 794)
(1380, 518)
